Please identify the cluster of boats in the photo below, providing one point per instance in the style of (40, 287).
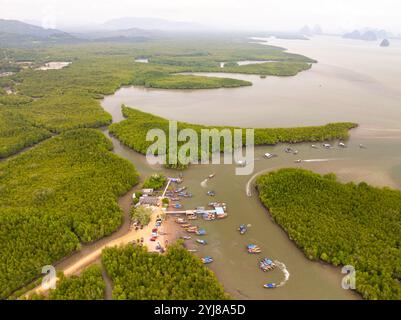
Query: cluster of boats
(267, 265)
(190, 228)
(253, 248)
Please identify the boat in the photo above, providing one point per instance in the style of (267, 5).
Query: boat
(221, 215)
(208, 216)
(187, 195)
(186, 237)
(192, 250)
(211, 193)
(288, 150)
(201, 232)
(326, 145)
(242, 229)
(192, 229)
(217, 204)
(211, 176)
(270, 285)
(185, 225)
(175, 199)
(180, 189)
(269, 155)
(192, 217)
(298, 161)
(177, 206)
(207, 260)
(266, 264)
(362, 146)
(180, 221)
(295, 152)
(342, 145)
(253, 248)
(200, 241)
(314, 146)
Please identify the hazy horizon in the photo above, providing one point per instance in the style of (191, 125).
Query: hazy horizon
(279, 15)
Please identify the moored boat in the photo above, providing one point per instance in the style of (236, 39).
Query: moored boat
(207, 260)
(186, 237)
(200, 241)
(267, 264)
(253, 248)
(201, 232)
(192, 229)
(270, 285)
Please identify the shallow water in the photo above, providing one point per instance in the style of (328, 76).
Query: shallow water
(331, 91)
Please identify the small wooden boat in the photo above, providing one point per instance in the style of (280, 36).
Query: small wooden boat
(180, 221)
(192, 229)
(242, 229)
(185, 225)
(201, 232)
(186, 237)
(207, 260)
(192, 250)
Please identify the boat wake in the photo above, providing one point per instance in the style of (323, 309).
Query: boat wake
(318, 160)
(286, 273)
(204, 183)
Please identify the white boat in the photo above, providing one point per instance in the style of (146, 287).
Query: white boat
(269, 155)
(342, 145)
(326, 145)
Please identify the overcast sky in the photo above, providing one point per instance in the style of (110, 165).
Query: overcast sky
(332, 15)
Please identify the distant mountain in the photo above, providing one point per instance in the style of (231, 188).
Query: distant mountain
(150, 24)
(368, 35)
(305, 30)
(317, 30)
(133, 34)
(308, 31)
(16, 33)
(385, 43)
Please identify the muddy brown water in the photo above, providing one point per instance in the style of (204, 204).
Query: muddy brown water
(348, 84)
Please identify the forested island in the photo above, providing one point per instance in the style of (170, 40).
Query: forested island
(342, 224)
(132, 131)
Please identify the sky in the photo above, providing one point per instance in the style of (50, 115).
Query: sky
(277, 15)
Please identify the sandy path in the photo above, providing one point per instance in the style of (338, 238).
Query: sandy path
(132, 235)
